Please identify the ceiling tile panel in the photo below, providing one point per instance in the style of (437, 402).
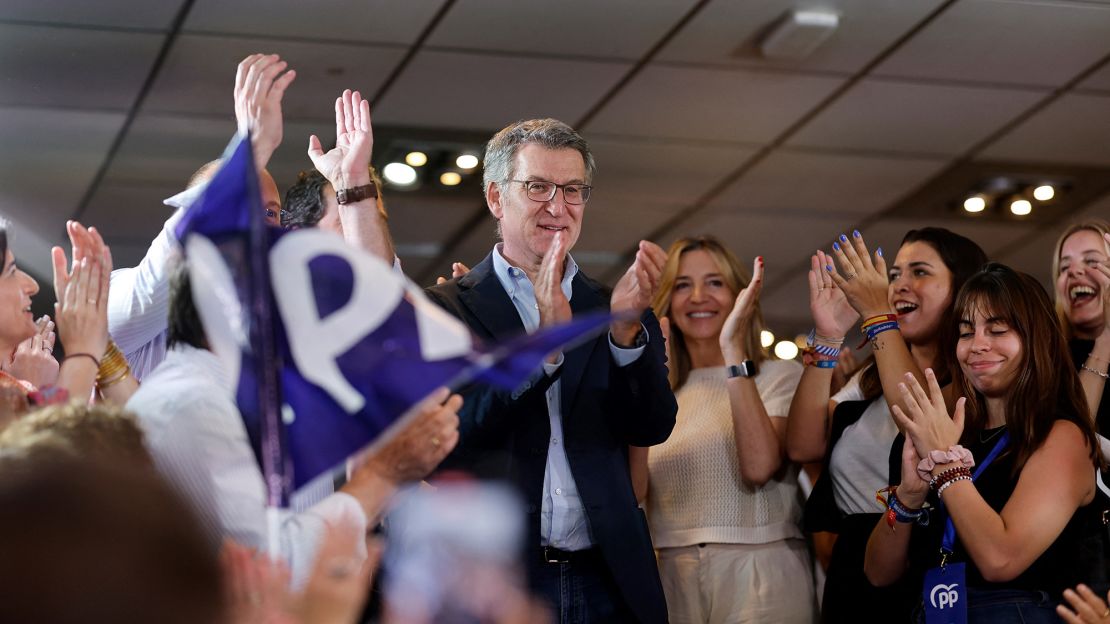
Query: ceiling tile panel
(1006, 41)
(47, 66)
(199, 74)
(421, 222)
(1098, 81)
(728, 32)
(843, 185)
(655, 172)
(890, 116)
(498, 90)
(615, 227)
(47, 162)
(368, 21)
(111, 13)
(711, 104)
(1073, 129)
(529, 27)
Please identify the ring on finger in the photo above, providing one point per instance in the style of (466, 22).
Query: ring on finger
(91, 300)
(849, 277)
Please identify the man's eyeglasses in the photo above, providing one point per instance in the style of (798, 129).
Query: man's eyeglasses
(541, 191)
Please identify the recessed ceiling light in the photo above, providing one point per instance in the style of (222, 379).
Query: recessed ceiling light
(416, 159)
(975, 203)
(1044, 192)
(467, 161)
(786, 350)
(449, 178)
(766, 338)
(1021, 207)
(399, 174)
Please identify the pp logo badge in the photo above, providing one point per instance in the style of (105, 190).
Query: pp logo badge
(944, 596)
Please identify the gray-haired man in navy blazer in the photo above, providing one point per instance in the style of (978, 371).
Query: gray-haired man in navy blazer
(563, 437)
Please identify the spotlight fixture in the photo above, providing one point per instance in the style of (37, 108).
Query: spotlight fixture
(1021, 207)
(467, 161)
(399, 174)
(786, 350)
(766, 338)
(449, 178)
(975, 203)
(1044, 192)
(416, 159)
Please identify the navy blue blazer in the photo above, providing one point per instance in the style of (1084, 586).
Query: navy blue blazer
(606, 408)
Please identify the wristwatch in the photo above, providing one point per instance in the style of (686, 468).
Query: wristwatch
(356, 194)
(744, 369)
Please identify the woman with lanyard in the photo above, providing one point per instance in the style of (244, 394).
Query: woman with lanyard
(907, 317)
(991, 503)
(1082, 273)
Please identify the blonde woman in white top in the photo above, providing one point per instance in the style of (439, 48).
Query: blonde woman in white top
(721, 497)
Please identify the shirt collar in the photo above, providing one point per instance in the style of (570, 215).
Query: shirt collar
(511, 276)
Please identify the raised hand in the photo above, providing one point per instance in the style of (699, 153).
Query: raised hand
(33, 360)
(82, 308)
(1101, 274)
(734, 332)
(551, 300)
(925, 419)
(458, 270)
(347, 165)
(259, 88)
(833, 316)
(1088, 607)
(635, 290)
(418, 448)
(863, 281)
(912, 490)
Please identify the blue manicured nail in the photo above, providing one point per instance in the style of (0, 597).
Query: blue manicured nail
(836, 246)
(844, 238)
(828, 267)
(879, 251)
(855, 233)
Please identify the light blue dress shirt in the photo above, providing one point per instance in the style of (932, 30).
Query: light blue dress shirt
(563, 522)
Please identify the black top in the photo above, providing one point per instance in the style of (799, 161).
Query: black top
(1055, 570)
(1080, 349)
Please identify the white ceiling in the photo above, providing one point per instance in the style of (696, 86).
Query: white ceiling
(107, 107)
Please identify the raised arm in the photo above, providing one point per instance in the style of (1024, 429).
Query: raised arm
(347, 167)
(810, 419)
(259, 88)
(865, 282)
(888, 547)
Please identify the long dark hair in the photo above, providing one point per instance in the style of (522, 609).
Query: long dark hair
(1047, 388)
(963, 257)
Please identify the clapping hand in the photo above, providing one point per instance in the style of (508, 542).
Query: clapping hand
(833, 316)
(82, 292)
(259, 88)
(33, 360)
(347, 165)
(925, 419)
(734, 332)
(864, 281)
(635, 290)
(1088, 607)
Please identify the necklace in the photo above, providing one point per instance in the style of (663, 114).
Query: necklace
(990, 433)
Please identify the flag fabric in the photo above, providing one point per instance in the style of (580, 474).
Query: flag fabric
(330, 346)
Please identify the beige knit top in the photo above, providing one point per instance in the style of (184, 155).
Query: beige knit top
(695, 492)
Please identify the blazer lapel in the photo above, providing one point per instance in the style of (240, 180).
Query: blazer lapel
(482, 294)
(585, 299)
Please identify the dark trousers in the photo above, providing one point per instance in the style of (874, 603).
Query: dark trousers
(581, 591)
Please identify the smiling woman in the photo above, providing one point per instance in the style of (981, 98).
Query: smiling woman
(1081, 266)
(17, 323)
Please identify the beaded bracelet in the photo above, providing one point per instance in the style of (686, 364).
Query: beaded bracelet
(948, 475)
(955, 454)
(897, 510)
(948, 484)
(1095, 371)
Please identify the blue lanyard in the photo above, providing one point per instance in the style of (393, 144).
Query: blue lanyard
(950, 529)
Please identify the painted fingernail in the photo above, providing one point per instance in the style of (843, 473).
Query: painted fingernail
(844, 238)
(879, 251)
(760, 258)
(855, 233)
(828, 267)
(836, 246)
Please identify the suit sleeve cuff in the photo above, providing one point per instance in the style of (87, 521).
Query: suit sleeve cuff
(622, 356)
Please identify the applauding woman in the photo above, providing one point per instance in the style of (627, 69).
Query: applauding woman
(1014, 491)
(908, 318)
(722, 500)
(1081, 267)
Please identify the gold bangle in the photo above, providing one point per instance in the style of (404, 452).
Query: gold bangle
(113, 381)
(112, 363)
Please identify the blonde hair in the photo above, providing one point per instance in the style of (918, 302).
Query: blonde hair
(1098, 226)
(734, 276)
(79, 431)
